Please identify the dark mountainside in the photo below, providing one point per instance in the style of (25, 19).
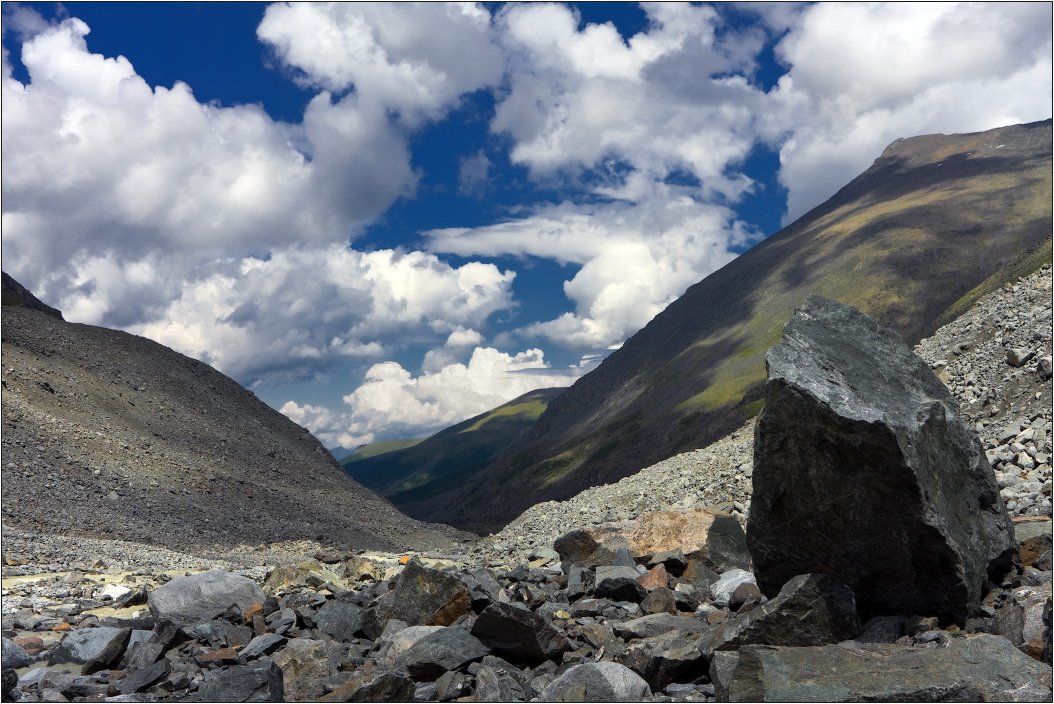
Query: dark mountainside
(936, 222)
(445, 460)
(107, 434)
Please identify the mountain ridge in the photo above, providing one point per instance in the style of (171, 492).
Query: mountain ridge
(920, 231)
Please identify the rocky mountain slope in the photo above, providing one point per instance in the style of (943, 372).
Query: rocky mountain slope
(106, 434)
(413, 475)
(1010, 407)
(936, 222)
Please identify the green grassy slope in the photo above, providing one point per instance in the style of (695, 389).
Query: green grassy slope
(442, 462)
(381, 447)
(929, 227)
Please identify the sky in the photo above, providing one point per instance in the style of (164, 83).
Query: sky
(384, 219)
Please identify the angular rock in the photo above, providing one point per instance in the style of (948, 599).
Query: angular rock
(1021, 620)
(495, 686)
(261, 645)
(94, 648)
(654, 578)
(14, 655)
(883, 629)
(452, 686)
(202, 597)
(449, 648)
(597, 682)
(977, 668)
(619, 583)
(1033, 539)
(857, 433)
(138, 680)
(576, 547)
(746, 594)
(257, 682)
(373, 687)
(339, 620)
(10, 681)
(306, 666)
(661, 600)
(220, 634)
(674, 561)
(657, 624)
(395, 641)
(428, 597)
(811, 609)
(521, 635)
(671, 657)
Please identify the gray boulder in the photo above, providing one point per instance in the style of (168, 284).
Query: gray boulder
(597, 682)
(619, 583)
(203, 597)
(425, 597)
(518, 634)
(811, 609)
(979, 668)
(14, 655)
(863, 469)
(339, 620)
(449, 648)
(657, 624)
(259, 682)
(1021, 619)
(306, 666)
(662, 660)
(93, 648)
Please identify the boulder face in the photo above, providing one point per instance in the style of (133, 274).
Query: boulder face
(863, 469)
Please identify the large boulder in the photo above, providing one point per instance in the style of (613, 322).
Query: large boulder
(981, 668)
(202, 597)
(1021, 619)
(448, 648)
(864, 469)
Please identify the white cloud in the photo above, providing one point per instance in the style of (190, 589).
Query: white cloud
(582, 99)
(391, 402)
(415, 59)
(283, 316)
(864, 74)
(635, 258)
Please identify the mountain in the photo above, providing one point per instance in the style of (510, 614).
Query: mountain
(372, 449)
(107, 434)
(935, 223)
(417, 473)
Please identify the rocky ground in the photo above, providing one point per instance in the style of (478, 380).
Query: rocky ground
(629, 592)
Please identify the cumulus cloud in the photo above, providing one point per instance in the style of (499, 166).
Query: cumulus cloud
(415, 59)
(661, 102)
(901, 69)
(279, 318)
(635, 258)
(392, 402)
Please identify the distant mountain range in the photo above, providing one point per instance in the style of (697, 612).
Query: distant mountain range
(409, 472)
(933, 224)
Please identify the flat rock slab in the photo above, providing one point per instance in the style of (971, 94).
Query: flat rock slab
(979, 668)
(203, 597)
(863, 469)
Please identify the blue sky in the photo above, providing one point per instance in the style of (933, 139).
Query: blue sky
(387, 218)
